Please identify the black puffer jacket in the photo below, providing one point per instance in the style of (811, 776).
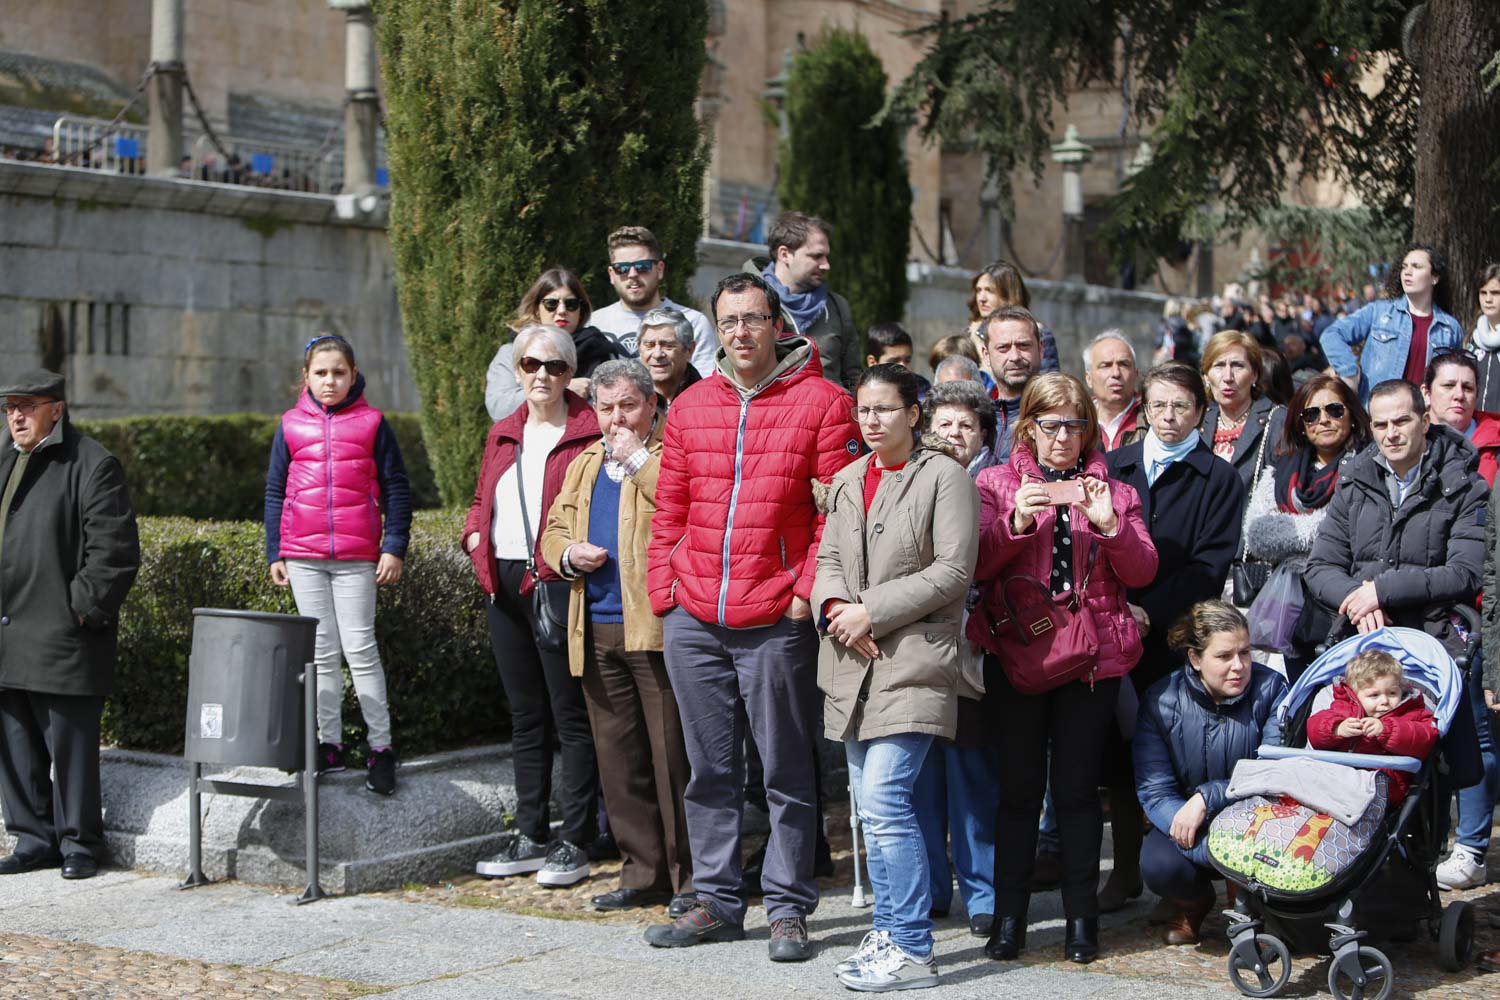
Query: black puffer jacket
(1423, 557)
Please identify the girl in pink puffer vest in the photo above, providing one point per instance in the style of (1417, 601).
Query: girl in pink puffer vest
(337, 517)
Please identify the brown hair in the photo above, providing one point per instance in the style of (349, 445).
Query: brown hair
(1001, 314)
(792, 229)
(1225, 341)
(1202, 622)
(1294, 435)
(633, 236)
(1371, 665)
(1008, 283)
(327, 342)
(1053, 391)
(552, 279)
(959, 343)
(1490, 273)
(1182, 376)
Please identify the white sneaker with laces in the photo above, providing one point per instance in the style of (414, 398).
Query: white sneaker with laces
(1462, 870)
(892, 969)
(874, 943)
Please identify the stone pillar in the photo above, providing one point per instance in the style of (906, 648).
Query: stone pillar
(1072, 152)
(164, 91)
(362, 113)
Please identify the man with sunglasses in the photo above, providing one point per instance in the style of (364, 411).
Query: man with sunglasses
(636, 270)
(68, 555)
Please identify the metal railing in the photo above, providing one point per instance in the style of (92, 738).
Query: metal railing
(259, 163)
(99, 144)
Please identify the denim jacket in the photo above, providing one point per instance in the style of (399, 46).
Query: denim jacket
(1384, 327)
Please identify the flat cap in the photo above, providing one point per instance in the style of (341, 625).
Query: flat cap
(37, 382)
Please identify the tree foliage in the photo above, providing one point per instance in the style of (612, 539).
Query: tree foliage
(837, 165)
(1240, 97)
(520, 133)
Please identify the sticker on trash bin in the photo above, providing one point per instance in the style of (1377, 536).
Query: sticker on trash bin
(211, 722)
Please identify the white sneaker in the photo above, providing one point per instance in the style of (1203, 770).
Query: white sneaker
(1462, 870)
(874, 943)
(892, 969)
(566, 865)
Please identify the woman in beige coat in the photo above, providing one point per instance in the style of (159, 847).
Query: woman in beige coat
(894, 565)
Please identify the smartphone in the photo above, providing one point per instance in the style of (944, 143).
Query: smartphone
(1064, 492)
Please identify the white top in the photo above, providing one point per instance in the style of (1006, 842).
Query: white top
(507, 533)
(624, 324)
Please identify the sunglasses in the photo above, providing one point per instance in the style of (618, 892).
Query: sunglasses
(557, 367)
(1312, 414)
(570, 304)
(624, 267)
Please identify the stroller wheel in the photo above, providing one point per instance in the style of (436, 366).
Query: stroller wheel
(1456, 936)
(1260, 966)
(1363, 975)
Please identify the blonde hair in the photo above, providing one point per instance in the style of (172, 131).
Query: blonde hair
(1053, 391)
(1203, 621)
(1225, 341)
(1371, 665)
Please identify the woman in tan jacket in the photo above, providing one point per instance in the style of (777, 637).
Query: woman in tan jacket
(894, 565)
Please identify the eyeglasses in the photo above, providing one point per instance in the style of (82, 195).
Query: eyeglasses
(880, 413)
(557, 367)
(750, 321)
(1180, 407)
(1312, 414)
(570, 304)
(24, 409)
(1054, 428)
(624, 267)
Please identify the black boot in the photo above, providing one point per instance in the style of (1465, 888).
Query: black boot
(1007, 938)
(1082, 942)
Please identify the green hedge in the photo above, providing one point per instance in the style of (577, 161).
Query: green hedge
(210, 468)
(434, 641)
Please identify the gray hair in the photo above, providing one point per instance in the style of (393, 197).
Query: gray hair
(970, 394)
(1113, 333)
(680, 324)
(623, 370)
(956, 363)
(560, 341)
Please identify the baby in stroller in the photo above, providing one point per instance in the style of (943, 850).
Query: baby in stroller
(1374, 711)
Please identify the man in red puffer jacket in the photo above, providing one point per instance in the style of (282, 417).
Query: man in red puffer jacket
(730, 567)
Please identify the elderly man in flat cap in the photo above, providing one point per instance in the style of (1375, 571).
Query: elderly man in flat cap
(68, 555)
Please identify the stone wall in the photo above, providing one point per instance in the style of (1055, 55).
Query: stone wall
(161, 296)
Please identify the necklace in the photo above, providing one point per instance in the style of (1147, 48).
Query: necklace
(1227, 424)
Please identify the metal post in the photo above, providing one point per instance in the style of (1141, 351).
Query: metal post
(309, 779)
(362, 109)
(195, 829)
(1072, 153)
(164, 91)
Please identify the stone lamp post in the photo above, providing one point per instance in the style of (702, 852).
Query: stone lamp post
(1072, 152)
(164, 92)
(362, 110)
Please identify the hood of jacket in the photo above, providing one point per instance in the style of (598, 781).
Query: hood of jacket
(796, 358)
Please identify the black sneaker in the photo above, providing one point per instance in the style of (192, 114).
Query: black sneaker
(698, 924)
(567, 864)
(382, 772)
(330, 757)
(521, 856)
(789, 940)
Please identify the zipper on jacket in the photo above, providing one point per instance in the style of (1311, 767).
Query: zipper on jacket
(781, 541)
(734, 496)
(328, 465)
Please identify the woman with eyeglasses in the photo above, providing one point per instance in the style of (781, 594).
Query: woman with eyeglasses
(1192, 504)
(894, 565)
(525, 458)
(1085, 552)
(555, 299)
(1325, 427)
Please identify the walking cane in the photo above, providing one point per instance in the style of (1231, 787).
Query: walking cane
(858, 898)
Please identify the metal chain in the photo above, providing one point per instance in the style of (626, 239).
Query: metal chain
(114, 124)
(337, 126)
(208, 130)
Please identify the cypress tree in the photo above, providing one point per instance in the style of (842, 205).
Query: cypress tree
(521, 132)
(837, 165)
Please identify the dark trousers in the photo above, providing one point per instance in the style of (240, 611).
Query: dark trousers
(772, 670)
(40, 733)
(1076, 718)
(1172, 873)
(644, 769)
(546, 700)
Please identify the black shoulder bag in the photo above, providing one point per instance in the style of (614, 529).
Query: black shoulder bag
(549, 598)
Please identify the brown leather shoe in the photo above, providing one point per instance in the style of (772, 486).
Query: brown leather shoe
(1490, 961)
(1183, 928)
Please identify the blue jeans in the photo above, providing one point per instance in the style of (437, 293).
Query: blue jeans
(957, 795)
(883, 772)
(1476, 804)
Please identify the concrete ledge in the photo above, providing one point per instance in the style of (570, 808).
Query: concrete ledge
(449, 810)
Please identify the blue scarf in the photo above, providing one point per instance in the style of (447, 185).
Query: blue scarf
(1158, 456)
(806, 308)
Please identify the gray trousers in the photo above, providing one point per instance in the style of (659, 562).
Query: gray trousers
(773, 671)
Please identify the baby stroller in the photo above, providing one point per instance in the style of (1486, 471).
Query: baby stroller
(1386, 878)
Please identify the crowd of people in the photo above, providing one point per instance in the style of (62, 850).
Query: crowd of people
(710, 541)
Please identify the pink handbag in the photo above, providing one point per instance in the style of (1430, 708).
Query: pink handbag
(1044, 644)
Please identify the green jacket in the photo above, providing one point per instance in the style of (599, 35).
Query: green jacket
(69, 554)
